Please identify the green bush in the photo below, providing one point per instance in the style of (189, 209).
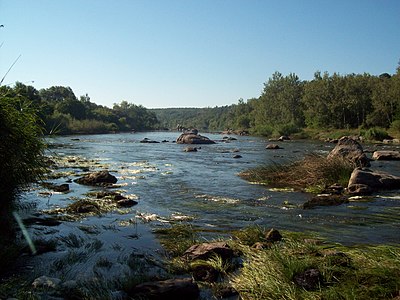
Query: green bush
(395, 126)
(376, 134)
(287, 129)
(21, 155)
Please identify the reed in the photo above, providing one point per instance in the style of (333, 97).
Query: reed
(312, 171)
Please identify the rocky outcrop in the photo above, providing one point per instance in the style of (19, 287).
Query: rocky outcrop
(192, 138)
(365, 181)
(206, 250)
(182, 288)
(386, 155)
(350, 149)
(97, 178)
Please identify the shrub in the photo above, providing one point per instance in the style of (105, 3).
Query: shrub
(395, 126)
(376, 134)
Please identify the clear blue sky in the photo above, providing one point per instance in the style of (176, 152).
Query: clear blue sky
(191, 53)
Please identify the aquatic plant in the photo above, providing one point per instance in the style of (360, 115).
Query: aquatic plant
(313, 171)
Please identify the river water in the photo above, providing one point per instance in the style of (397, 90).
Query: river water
(204, 189)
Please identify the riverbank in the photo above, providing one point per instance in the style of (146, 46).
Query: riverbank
(111, 247)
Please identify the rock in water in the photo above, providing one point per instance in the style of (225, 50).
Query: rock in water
(386, 155)
(368, 181)
(97, 178)
(351, 150)
(182, 288)
(191, 138)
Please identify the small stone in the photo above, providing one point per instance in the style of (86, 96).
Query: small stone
(273, 236)
(46, 282)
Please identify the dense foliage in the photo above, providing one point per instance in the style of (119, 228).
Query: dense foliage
(288, 104)
(63, 113)
(21, 153)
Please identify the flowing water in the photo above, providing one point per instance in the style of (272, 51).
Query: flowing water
(201, 188)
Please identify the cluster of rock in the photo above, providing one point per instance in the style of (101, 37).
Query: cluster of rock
(363, 180)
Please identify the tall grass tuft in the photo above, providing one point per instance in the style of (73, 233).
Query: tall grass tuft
(313, 170)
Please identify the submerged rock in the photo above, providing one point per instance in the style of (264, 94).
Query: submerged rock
(97, 178)
(192, 138)
(46, 282)
(272, 146)
(325, 200)
(190, 149)
(350, 149)
(180, 288)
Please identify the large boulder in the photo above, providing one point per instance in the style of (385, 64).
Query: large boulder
(350, 149)
(97, 178)
(364, 181)
(192, 138)
(386, 155)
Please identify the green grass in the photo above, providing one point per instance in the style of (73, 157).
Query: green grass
(313, 172)
(177, 238)
(348, 273)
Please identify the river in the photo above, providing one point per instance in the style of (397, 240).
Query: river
(204, 189)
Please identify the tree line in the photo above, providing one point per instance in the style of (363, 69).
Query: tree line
(287, 105)
(61, 112)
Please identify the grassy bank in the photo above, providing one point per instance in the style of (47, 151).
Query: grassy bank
(281, 270)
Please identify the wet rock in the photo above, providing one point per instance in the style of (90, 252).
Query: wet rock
(97, 178)
(359, 189)
(43, 221)
(108, 194)
(325, 200)
(206, 250)
(63, 188)
(336, 189)
(46, 282)
(272, 146)
(205, 273)
(237, 156)
(350, 149)
(386, 155)
(190, 149)
(284, 138)
(148, 141)
(126, 203)
(191, 138)
(368, 180)
(182, 288)
(229, 138)
(309, 280)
